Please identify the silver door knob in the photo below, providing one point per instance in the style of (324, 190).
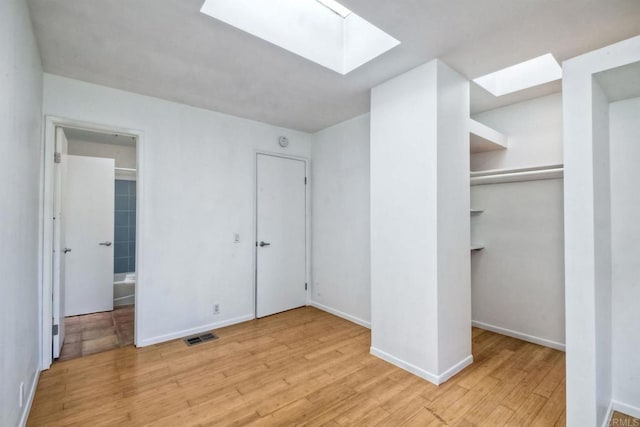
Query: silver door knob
(66, 250)
(105, 244)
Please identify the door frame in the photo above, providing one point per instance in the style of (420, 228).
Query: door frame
(46, 225)
(307, 221)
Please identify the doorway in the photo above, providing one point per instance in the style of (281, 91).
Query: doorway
(281, 234)
(90, 245)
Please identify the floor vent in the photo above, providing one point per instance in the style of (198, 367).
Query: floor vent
(200, 339)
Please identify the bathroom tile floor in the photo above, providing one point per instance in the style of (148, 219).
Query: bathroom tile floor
(97, 332)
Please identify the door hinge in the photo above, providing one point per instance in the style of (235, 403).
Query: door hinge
(305, 286)
(57, 157)
(54, 330)
(305, 180)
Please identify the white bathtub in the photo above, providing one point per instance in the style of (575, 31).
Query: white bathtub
(124, 289)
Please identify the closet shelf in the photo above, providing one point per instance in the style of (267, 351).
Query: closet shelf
(476, 247)
(482, 138)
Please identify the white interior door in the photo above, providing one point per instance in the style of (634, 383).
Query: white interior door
(281, 234)
(89, 208)
(59, 249)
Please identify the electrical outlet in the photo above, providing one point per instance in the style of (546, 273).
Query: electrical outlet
(21, 396)
(216, 308)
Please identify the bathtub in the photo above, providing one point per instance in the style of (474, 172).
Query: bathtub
(124, 289)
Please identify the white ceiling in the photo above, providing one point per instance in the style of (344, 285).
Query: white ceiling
(168, 49)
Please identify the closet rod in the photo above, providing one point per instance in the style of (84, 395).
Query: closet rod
(530, 175)
(515, 170)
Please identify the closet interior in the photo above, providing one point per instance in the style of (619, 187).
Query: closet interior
(516, 220)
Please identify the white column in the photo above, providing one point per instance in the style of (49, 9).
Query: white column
(420, 279)
(588, 244)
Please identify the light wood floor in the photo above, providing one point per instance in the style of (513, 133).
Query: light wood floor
(619, 419)
(303, 367)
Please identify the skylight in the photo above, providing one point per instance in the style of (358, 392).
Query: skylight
(534, 72)
(322, 31)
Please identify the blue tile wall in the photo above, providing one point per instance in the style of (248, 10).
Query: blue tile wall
(124, 249)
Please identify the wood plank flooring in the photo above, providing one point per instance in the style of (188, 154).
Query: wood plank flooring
(303, 367)
(618, 419)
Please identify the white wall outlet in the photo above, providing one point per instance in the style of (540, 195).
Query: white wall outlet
(236, 238)
(21, 397)
(216, 308)
(316, 289)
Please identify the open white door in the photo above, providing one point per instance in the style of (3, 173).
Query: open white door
(89, 208)
(59, 249)
(281, 234)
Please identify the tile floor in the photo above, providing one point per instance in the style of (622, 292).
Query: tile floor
(97, 332)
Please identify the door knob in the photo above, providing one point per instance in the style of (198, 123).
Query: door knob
(263, 244)
(66, 250)
(105, 244)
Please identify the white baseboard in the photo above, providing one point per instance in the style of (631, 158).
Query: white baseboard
(444, 377)
(519, 335)
(341, 314)
(607, 418)
(627, 409)
(32, 393)
(197, 330)
(432, 378)
(618, 406)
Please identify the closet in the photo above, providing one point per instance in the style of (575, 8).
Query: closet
(517, 251)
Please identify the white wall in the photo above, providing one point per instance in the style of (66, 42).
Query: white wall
(454, 286)
(534, 129)
(124, 156)
(20, 144)
(602, 249)
(517, 281)
(588, 266)
(625, 203)
(420, 292)
(198, 190)
(340, 251)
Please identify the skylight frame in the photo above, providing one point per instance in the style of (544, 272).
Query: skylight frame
(336, 8)
(527, 74)
(322, 31)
